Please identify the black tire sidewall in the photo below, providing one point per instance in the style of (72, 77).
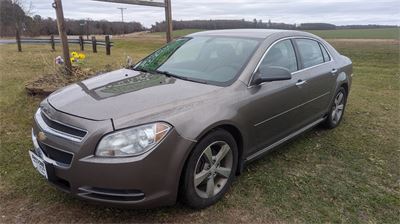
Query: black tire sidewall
(329, 122)
(189, 194)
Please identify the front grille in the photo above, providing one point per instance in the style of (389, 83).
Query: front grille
(62, 127)
(56, 155)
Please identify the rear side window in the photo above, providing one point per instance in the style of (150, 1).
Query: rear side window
(281, 55)
(310, 52)
(325, 53)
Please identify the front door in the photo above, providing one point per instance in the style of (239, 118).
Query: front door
(275, 108)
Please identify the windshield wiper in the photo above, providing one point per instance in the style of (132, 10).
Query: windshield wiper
(169, 74)
(141, 70)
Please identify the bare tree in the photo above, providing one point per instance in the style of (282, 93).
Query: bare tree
(18, 14)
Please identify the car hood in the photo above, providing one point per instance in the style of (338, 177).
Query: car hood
(123, 92)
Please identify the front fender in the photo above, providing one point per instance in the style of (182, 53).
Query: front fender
(206, 118)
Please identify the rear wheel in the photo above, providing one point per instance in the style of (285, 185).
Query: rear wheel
(336, 111)
(210, 169)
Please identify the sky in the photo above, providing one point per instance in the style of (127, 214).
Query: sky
(338, 12)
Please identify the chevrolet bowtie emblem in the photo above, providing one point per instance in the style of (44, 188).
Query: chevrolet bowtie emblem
(41, 136)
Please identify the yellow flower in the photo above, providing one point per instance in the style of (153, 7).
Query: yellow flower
(81, 56)
(72, 59)
(74, 54)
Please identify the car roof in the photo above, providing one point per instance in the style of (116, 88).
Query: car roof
(249, 33)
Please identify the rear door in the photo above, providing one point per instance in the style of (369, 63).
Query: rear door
(319, 75)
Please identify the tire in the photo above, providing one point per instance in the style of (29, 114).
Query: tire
(336, 110)
(198, 190)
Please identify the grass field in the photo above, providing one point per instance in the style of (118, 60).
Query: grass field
(384, 33)
(350, 174)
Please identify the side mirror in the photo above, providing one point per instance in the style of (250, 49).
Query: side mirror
(271, 73)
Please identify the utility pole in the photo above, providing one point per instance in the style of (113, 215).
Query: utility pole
(168, 19)
(85, 26)
(166, 4)
(87, 29)
(122, 13)
(57, 5)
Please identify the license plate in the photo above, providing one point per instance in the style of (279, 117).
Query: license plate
(39, 164)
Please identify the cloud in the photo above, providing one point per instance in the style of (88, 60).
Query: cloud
(339, 12)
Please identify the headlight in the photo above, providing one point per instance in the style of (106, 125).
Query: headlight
(132, 142)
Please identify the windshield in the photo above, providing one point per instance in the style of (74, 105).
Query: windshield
(215, 60)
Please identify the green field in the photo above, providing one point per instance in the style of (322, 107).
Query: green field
(386, 33)
(350, 174)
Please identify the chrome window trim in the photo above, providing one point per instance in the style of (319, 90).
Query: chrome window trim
(329, 53)
(295, 72)
(50, 130)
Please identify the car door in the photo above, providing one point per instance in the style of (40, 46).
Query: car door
(318, 73)
(274, 108)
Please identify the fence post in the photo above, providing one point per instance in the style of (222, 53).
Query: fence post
(108, 45)
(18, 38)
(81, 43)
(94, 44)
(53, 47)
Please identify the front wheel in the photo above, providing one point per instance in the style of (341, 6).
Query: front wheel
(210, 169)
(336, 111)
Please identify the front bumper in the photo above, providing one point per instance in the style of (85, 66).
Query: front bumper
(150, 180)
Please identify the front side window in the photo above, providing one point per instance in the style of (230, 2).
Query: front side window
(215, 60)
(310, 52)
(281, 55)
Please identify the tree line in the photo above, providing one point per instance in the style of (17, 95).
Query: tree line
(13, 17)
(255, 24)
(221, 24)
(41, 26)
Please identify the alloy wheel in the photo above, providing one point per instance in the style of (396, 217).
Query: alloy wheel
(213, 169)
(337, 109)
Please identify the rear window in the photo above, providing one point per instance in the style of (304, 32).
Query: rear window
(325, 53)
(310, 52)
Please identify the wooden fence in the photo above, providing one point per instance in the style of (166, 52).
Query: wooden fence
(81, 41)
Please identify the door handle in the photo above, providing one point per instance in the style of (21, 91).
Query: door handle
(334, 71)
(301, 82)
